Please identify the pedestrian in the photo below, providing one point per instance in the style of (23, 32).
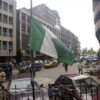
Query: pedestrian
(80, 67)
(66, 66)
(2, 76)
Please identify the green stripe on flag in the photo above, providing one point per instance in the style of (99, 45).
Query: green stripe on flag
(36, 36)
(64, 54)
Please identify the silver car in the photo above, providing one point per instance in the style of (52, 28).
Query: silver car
(21, 89)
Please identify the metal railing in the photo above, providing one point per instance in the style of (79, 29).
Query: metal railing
(21, 93)
(3, 93)
(54, 93)
(64, 93)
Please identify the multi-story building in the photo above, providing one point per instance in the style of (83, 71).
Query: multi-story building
(44, 13)
(65, 36)
(70, 40)
(7, 29)
(96, 9)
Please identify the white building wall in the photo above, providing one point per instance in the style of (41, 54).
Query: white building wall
(9, 51)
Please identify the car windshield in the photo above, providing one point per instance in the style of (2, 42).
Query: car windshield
(84, 84)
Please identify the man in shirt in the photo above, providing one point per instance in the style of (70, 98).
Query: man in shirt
(80, 67)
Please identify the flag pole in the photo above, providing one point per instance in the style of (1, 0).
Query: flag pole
(31, 56)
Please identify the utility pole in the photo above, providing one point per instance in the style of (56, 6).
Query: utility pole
(31, 57)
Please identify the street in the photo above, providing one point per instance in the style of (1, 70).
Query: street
(46, 76)
(51, 75)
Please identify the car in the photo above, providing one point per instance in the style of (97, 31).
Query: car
(23, 67)
(21, 89)
(84, 85)
(7, 68)
(51, 64)
(27, 66)
(91, 59)
(37, 66)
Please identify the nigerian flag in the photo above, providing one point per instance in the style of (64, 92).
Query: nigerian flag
(44, 41)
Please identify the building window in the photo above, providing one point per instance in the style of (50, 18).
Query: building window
(0, 17)
(28, 30)
(0, 44)
(0, 4)
(28, 19)
(10, 32)
(10, 20)
(23, 27)
(5, 6)
(10, 45)
(5, 19)
(23, 17)
(4, 45)
(0, 31)
(4, 31)
(10, 8)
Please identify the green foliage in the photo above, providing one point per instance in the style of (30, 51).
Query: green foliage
(86, 51)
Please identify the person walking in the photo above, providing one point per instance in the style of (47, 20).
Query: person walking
(80, 67)
(2, 76)
(66, 67)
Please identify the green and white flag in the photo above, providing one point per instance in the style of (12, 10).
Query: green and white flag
(44, 41)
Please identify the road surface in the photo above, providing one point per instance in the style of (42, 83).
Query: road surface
(50, 75)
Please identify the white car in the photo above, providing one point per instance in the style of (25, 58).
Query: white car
(21, 89)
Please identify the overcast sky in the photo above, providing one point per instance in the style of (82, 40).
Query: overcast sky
(76, 15)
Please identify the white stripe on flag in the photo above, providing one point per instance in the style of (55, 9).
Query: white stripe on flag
(47, 45)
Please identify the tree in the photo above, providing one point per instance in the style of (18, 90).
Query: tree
(91, 51)
(84, 51)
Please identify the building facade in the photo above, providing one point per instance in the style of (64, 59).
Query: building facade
(44, 13)
(70, 40)
(96, 10)
(7, 29)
